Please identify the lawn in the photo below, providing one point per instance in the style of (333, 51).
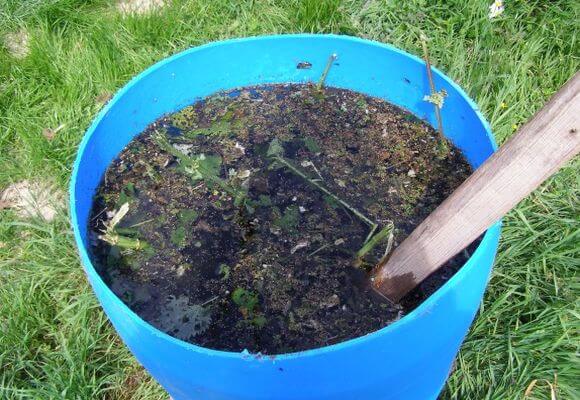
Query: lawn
(61, 60)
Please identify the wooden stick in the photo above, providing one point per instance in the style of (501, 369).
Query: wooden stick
(530, 157)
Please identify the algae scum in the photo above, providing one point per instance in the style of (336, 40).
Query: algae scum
(249, 220)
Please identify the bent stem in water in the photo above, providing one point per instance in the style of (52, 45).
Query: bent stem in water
(385, 233)
(203, 169)
(274, 153)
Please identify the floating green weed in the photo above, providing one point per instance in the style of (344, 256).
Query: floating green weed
(311, 145)
(246, 300)
(224, 271)
(178, 237)
(289, 220)
(187, 216)
(185, 119)
(127, 195)
(218, 128)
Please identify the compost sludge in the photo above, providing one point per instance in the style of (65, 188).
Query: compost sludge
(250, 219)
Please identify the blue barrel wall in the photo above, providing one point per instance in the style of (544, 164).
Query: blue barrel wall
(409, 359)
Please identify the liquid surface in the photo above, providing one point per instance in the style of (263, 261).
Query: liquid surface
(247, 216)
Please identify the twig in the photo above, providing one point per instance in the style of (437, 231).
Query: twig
(97, 216)
(324, 246)
(209, 301)
(331, 59)
(141, 223)
(432, 84)
(311, 164)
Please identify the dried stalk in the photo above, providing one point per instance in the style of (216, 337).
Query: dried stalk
(331, 59)
(442, 141)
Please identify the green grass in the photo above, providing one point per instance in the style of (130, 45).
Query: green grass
(56, 343)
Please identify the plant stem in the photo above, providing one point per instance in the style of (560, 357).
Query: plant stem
(165, 145)
(356, 212)
(374, 241)
(325, 72)
(124, 242)
(324, 246)
(432, 85)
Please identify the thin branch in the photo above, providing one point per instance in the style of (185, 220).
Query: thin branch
(318, 250)
(432, 84)
(331, 59)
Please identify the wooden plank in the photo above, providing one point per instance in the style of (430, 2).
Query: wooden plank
(532, 155)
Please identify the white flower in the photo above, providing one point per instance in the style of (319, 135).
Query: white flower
(496, 9)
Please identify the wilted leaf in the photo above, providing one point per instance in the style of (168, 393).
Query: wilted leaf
(183, 320)
(123, 210)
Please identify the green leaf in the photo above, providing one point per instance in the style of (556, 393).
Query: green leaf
(209, 165)
(311, 145)
(245, 299)
(275, 149)
(219, 128)
(178, 237)
(224, 271)
(264, 201)
(259, 321)
(289, 220)
(128, 194)
(187, 216)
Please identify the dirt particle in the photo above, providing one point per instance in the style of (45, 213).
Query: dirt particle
(304, 65)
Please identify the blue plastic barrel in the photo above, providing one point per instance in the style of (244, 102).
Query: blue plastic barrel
(409, 359)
